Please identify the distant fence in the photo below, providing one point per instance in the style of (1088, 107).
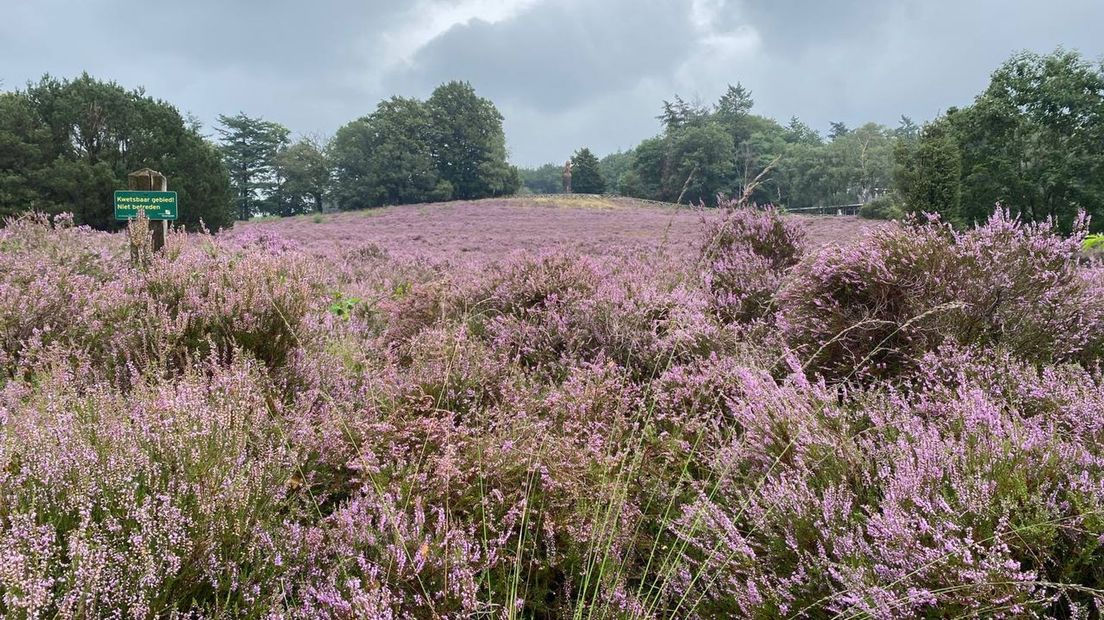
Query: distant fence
(829, 209)
(563, 196)
(850, 209)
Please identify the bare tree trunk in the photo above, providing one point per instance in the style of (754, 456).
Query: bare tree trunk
(686, 185)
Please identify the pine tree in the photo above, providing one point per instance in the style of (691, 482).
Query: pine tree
(929, 173)
(838, 130)
(250, 147)
(66, 145)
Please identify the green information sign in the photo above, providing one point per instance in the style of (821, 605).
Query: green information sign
(158, 205)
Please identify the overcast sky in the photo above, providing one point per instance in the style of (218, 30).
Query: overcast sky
(564, 73)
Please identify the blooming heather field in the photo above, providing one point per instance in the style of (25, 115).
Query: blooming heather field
(495, 228)
(518, 409)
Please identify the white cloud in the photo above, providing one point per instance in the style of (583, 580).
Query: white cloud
(704, 14)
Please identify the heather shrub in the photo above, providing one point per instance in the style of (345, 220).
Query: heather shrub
(450, 370)
(645, 324)
(557, 311)
(1028, 283)
(744, 254)
(180, 305)
(54, 242)
(529, 284)
(940, 501)
(36, 311)
(390, 294)
(859, 309)
(251, 425)
(141, 504)
(379, 556)
(48, 272)
(688, 400)
(871, 309)
(762, 229)
(254, 301)
(338, 401)
(412, 307)
(526, 475)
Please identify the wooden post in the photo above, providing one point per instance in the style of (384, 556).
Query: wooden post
(147, 180)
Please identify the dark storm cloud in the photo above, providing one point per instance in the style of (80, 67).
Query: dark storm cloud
(296, 62)
(876, 61)
(570, 74)
(565, 73)
(791, 27)
(288, 36)
(556, 56)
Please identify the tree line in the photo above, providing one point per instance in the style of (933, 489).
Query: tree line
(1033, 141)
(450, 146)
(721, 149)
(67, 145)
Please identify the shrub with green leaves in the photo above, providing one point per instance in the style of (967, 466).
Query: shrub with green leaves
(883, 208)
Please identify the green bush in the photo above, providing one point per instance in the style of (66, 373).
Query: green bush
(1093, 244)
(884, 208)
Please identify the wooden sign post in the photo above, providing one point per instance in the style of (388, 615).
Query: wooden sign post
(148, 192)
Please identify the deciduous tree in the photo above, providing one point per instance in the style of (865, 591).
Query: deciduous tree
(546, 179)
(928, 173)
(303, 178)
(1032, 141)
(468, 143)
(586, 174)
(387, 158)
